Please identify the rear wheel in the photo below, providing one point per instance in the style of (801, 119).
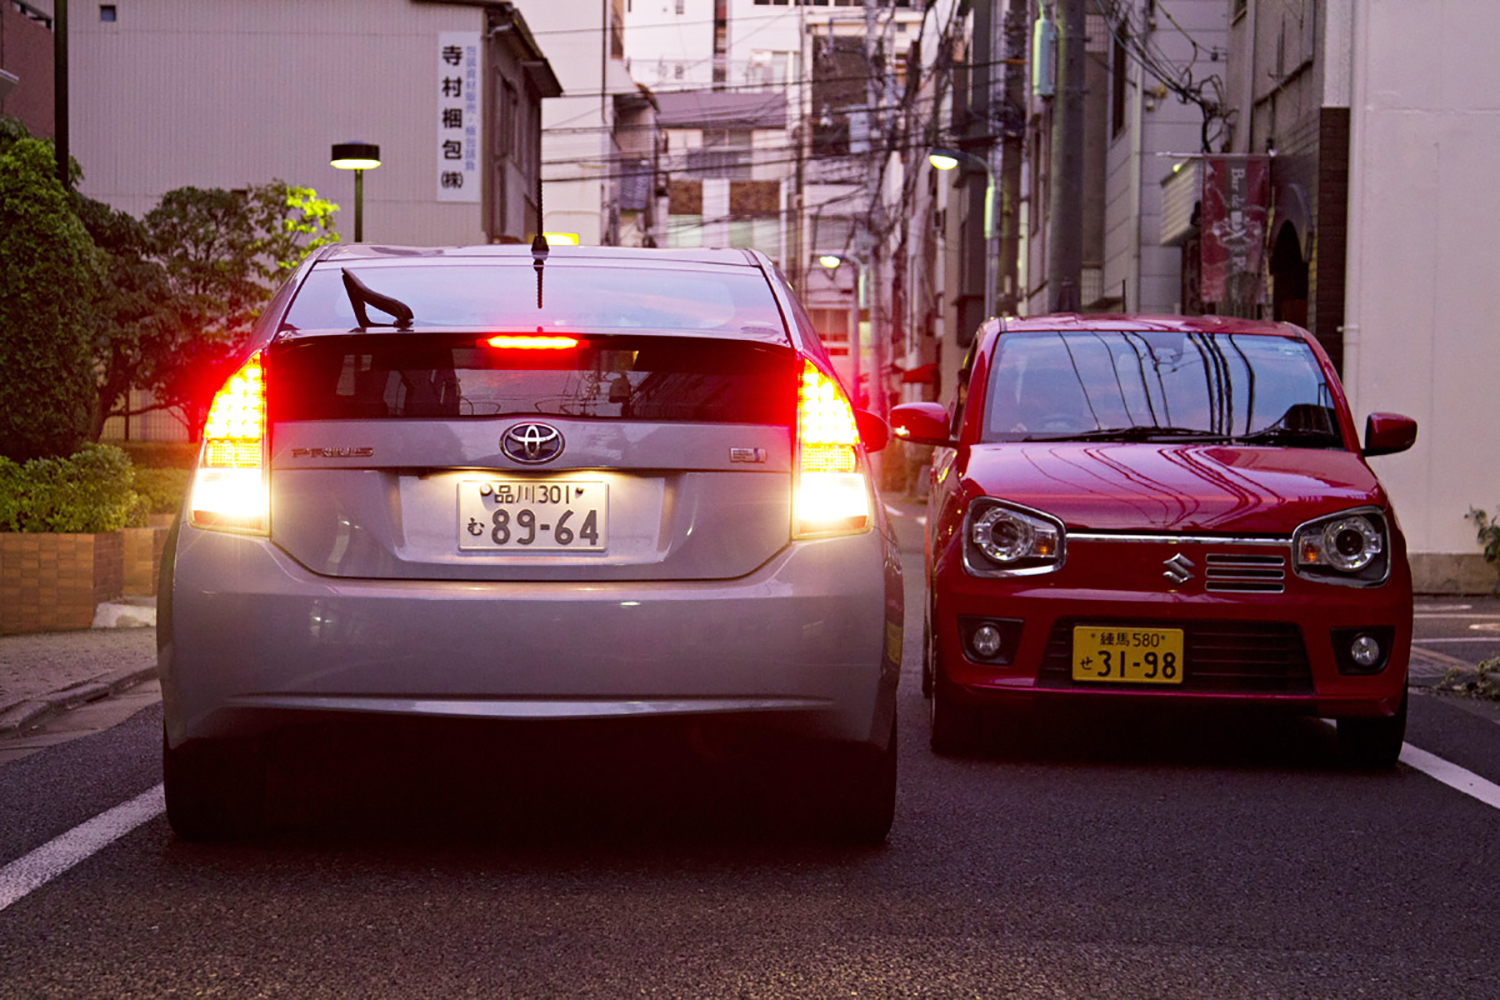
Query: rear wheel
(214, 789)
(863, 800)
(1374, 743)
(927, 656)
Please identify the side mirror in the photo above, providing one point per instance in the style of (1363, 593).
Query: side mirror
(1388, 433)
(921, 423)
(873, 431)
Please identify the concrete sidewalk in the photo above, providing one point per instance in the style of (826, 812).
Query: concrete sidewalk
(46, 673)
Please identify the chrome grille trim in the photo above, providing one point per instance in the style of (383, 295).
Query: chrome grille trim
(1127, 539)
(1245, 573)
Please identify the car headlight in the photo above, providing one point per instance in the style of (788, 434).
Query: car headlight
(1351, 548)
(1002, 539)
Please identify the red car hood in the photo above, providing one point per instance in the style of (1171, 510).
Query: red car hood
(1173, 487)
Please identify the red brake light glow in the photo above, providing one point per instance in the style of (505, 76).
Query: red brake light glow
(832, 495)
(229, 486)
(513, 342)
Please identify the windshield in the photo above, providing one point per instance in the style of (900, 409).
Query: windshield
(1158, 385)
(574, 297)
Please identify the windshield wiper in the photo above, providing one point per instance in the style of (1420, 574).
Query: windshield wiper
(1139, 432)
(1309, 436)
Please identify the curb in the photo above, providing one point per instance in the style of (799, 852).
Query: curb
(27, 714)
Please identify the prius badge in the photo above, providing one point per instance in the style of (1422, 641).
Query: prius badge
(1179, 568)
(532, 444)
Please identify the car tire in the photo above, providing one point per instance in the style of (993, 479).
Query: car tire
(927, 651)
(956, 727)
(1374, 743)
(863, 800)
(214, 790)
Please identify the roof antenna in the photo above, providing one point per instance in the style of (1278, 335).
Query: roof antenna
(539, 248)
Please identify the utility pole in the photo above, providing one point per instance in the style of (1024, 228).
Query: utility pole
(1012, 149)
(977, 140)
(1065, 201)
(874, 227)
(60, 90)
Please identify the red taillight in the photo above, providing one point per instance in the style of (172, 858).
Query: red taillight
(528, 342)
(832, 495)
(229, 486)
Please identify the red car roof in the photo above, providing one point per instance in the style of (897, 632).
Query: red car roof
(1176, 324)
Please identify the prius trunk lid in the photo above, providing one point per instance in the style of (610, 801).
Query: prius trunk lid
(442, 456)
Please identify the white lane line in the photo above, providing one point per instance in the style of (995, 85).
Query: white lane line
(1451, 775)
(1440, 614)
(897, 512)
(44, 864)
(1461, 638)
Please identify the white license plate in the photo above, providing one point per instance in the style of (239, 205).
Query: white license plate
(532, 515)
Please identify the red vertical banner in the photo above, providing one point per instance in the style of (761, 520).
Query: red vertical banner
(1236, 204)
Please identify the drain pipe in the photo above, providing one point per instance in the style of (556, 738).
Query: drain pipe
(1358, 184)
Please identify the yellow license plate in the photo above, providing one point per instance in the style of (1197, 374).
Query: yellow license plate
(1127, 655)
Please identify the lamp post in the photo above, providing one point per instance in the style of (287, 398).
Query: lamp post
(947, 159)
(832, 261)
(358, 157)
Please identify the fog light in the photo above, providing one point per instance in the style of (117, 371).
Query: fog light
(1364, 650)
(986, 641)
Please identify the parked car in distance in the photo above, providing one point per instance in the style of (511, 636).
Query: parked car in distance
(532, 486)
(1129, 510)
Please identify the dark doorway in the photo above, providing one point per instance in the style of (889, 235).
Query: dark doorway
(1288, 278)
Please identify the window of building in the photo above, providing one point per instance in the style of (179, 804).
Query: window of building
(108, 12)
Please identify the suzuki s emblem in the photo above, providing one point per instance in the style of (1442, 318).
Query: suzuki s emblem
(532, 443)
(1179, 568)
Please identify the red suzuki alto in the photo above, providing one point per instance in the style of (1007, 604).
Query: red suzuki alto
(1161, 508)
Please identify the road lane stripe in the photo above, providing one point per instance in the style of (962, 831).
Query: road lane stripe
(1462, 638)
(1451, 775)
(44, 864)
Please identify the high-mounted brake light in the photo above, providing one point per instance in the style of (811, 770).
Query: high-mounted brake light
(529, 343)
(229, 486)
(832, 495)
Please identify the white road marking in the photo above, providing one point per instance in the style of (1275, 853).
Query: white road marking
(897, 512)
(1426, 609)
(1462, 638)
(1468, 617)
(62, 852)
(1451, 775)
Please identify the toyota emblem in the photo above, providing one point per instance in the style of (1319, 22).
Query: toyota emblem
(532, 443)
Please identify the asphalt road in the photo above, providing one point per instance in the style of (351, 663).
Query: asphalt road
(1140, 857)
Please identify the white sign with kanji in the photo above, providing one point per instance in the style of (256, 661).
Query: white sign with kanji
(458, 133)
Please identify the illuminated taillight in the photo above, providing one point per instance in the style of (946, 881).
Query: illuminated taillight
(832, 495)
(528, 342)
(229, 485)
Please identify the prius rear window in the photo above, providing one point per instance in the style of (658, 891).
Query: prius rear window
(389, 375)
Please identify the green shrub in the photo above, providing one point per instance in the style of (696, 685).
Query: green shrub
(1487, 529)
(160, 454)
(90, 492)
(162, 489)
(48, 269)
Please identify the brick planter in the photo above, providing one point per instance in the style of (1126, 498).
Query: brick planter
(53, 582)
(143, 548)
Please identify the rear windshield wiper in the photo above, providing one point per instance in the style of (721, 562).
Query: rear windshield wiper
(362, 295)
(1136, 433)
(1307, 436)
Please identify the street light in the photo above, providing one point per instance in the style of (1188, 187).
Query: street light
(358, 157)
(831, 261)
(942, 158)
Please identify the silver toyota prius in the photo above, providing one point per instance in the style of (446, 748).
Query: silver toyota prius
(546, 484)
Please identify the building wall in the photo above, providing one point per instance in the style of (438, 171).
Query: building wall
(1422, 290)
(239, 92)
(1136, 265)
(26, 52)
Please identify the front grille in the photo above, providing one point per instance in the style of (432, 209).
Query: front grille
(1245, 574)
(1221, 657)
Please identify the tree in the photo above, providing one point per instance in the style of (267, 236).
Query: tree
(48, 266)
(222, 254)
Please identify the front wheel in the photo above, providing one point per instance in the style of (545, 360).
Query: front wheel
(1374, 743)
(956, 727)
(213, 789)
